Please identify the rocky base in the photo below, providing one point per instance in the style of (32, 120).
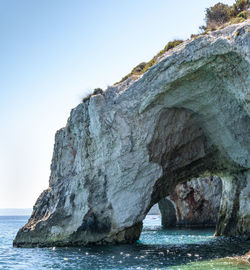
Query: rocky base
(126, 236)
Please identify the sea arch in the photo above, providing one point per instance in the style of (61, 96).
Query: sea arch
(125, 149)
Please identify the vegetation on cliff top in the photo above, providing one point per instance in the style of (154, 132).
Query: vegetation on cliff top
(220, 15)
(144, 66)
(95, 92)
(216, 17)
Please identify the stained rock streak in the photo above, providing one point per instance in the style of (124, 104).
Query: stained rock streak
(125, 149)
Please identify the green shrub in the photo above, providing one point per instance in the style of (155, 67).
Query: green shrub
(216, 17)
(139, 68)
(238, 7)
(242, 14)
(242, 5)
(95, 92)
(237, 20)
(172, 44)
(87, 98)
(194, 36)
(144, 66)
(149, 64)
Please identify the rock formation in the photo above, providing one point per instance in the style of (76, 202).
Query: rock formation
(124, 150)
(192, 204)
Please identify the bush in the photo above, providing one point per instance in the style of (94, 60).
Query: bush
(241, 5)
(242, 14)
(97, 91)
(217, 15)
(144, 66)
(237, 20)
(238, 7)
(172, 44)
(86, 98)
(139, 68)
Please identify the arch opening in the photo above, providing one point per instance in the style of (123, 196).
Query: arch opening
(181, 146)
(194, 204)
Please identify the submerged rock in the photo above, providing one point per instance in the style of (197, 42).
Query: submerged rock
(125, 149)
(195, 203)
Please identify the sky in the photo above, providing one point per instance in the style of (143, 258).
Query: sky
(55, 52)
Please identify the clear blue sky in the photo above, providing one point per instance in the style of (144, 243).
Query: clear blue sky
(54, 52)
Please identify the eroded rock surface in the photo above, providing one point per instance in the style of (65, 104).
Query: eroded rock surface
(195, 203)
(124, 150)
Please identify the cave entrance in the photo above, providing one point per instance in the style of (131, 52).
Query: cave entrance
(181, 145)
(187, 216)
(193, 204)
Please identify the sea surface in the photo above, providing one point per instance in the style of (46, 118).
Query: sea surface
(156, 249)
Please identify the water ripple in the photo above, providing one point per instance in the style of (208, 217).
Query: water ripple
(156, 249)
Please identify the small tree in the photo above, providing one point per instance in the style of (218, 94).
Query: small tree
(217, 15)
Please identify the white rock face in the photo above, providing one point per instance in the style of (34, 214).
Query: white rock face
(195, 203)
(235, 206)
(124, 150)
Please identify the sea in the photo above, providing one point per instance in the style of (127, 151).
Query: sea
(156, 249)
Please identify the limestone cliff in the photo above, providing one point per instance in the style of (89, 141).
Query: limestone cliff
(195, 203)
(124, 150)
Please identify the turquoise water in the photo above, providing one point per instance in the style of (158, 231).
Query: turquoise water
(156, 249)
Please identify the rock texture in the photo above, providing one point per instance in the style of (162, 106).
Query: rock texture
(124, 150)
(193, 204)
